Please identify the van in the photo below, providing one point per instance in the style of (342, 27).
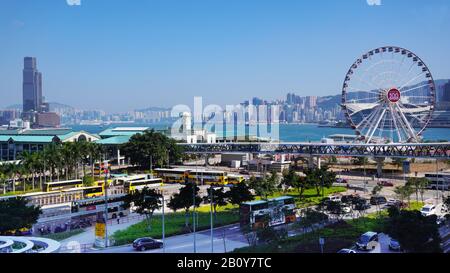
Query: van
(367, 241)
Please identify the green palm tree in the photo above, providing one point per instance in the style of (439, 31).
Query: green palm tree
(3, 177)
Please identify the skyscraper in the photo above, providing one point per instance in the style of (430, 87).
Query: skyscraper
(32, 86)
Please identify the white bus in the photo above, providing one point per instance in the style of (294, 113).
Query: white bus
(440, 181)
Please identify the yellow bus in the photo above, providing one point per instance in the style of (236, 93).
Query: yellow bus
(219, 178)
(94, 191)
(235, 179)
(62, 185)
(132, 186)
(172, 175)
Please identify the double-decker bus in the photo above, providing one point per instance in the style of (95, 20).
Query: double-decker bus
(235, 179)
(440, 181)
(172, 175)
(137, 185)
(219, 178)
(92, 206)
(62, 185)
(273, 212)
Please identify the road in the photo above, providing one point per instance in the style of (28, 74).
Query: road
(185, 243)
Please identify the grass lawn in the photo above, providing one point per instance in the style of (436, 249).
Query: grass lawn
(175, 224)
(337, 236)
(309, 197)
(63, 235)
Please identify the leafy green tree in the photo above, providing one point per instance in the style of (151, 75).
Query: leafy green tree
(310, 218)
(404, 192)
(264, 186)
(146, 202)
(15, 213)
(419, 185)
(151, 145)
(185, 199)
(239, 194)
(292, 180)
(415, 232)
(219, 198)
(377, 189)
(320, 178)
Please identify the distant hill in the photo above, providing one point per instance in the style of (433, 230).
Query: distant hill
(152, 109)
(56, 105)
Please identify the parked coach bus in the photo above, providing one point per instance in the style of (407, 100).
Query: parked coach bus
(273, 212)
(440, 181)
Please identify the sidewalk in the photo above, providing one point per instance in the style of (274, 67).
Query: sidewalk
(88, 236)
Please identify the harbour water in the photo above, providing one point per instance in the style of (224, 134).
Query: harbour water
(287, 132)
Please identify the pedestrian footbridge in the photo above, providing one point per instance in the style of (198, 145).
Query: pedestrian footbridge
(14, 244)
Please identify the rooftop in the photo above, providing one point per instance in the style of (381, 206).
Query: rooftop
(115, 140)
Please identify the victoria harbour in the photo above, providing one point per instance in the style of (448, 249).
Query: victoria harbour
(288, 132)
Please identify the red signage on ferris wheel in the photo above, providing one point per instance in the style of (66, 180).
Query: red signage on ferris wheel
(393, 95)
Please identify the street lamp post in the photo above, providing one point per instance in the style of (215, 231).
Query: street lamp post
(105, 166)
(163, 224)
(211, 219)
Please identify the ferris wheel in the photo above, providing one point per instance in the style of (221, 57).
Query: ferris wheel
(388, 96)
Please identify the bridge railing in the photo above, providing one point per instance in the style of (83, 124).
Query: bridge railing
(404, 150)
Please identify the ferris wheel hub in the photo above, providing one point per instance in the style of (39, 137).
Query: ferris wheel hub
(393, 95)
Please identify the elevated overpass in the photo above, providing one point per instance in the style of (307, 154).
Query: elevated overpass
(401, 150)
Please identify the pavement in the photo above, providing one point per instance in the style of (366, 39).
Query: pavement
(185, 243)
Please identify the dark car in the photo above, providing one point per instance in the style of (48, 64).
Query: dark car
(385, 184)
(143, 244)
(378, 200)
(394, 245)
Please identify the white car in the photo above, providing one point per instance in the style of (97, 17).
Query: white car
(428, 210)
(346, 251)
(333, 198)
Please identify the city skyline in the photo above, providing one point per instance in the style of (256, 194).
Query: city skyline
(224, 53)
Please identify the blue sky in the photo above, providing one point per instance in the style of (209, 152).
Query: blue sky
(119, 55)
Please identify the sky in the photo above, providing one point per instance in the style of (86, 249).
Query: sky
(120, 55)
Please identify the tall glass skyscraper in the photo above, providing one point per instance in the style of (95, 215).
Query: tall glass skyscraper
(32, 86)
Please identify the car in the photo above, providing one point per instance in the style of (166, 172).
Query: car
(341, 180)
(394, 245)
(396, 203)
(428, 210)
(386, 184)
(378, 200)
(347, 209)
(145, 243)
(346, 250)
(367, 241)
(332, 198)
